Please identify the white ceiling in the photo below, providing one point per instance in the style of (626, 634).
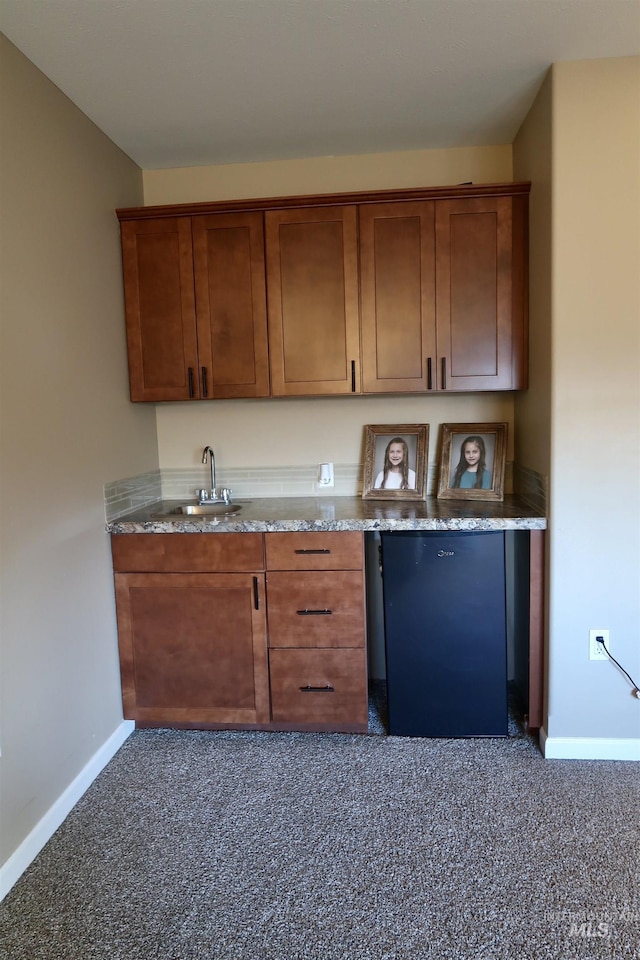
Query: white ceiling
(191, 82)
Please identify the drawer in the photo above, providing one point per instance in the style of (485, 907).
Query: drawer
(314, 551)
(187, 552)
(316, 609)
(318, 686)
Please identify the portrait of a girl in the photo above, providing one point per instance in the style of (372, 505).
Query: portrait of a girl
(471, 472)
(396, 473)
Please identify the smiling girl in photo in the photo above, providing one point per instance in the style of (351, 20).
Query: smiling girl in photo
(471, 472)
(396, 473)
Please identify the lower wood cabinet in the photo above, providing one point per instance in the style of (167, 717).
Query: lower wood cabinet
(192, 615)
(317, 640)
(193, 644)
(193, 647)
(319, 686)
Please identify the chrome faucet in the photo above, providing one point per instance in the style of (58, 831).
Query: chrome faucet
(213, 493)
(209, 496)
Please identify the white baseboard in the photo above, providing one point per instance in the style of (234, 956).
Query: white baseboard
(12, 870)
(589, 748)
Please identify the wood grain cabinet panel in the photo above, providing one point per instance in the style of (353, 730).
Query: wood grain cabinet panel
(317, 634)
(316, 609)
(193, 641)
(326, 550)
(312, 282)
(195, 301)
(157, 261)
(193, 648)
(481, 308)
(443, 290)
(231, 305)
(187, 552)
(397, 289)
(326, 687)
(385, 292)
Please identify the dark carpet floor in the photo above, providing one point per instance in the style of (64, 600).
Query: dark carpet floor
(288, 846)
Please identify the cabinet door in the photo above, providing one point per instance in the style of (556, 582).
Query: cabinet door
(312, 282)
(479, 294)
(193, 647)
(159, 302)
(397, 289)
(231, 305)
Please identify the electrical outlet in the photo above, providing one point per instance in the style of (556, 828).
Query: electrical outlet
(596, 650)
(325, 475)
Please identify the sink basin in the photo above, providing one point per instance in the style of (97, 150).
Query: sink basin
(202, 510)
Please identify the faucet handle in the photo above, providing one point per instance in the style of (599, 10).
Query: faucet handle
(202, 495)
(226, 494)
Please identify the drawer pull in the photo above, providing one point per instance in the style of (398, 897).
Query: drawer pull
(313, 551)
(309, 689)
(314, 613)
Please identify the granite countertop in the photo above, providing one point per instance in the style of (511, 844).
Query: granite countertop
(340, 513)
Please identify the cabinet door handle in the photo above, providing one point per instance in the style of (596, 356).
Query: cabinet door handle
(353, 376)
(312, 551)
(205, 389)
(256, 594)
(190, 371)
(444, 373)
(314, 613)
(309, 689)
(429, 377)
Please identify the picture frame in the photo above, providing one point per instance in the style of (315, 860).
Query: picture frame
(393, 479)
(487, 446)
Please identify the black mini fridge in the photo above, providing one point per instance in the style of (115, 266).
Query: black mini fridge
(445, 633)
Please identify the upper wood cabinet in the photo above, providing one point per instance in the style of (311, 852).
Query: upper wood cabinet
(312, 281)
(196, 307)
(407, 291)
(231, 305)
(397, 277)
(157, 260)
(443, 304)
(480, 302)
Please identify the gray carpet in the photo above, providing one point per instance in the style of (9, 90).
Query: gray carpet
(283, 846)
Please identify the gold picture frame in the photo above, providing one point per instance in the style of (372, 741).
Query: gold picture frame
(392, 479)
(472, 461)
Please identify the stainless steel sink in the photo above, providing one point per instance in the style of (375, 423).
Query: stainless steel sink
(202, 510)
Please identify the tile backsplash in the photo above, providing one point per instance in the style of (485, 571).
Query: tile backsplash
(531, 486)
(298, 481)
(125, 496)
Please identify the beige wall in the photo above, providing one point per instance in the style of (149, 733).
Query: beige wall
(580, 145)
(281, 178)
(595, 395)
(305, 432)
(532, 161)
(67, 428)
